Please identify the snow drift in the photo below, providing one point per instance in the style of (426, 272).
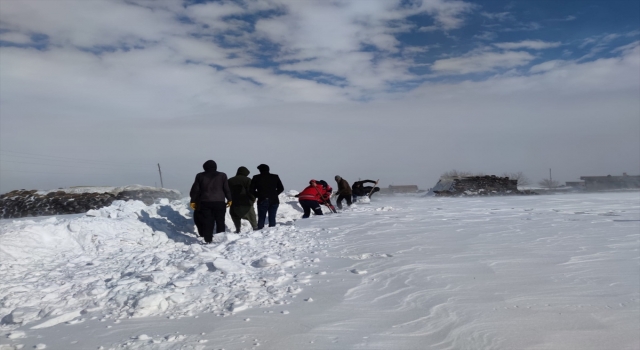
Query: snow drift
(133, 260)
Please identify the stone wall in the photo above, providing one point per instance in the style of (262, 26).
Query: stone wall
(489, 185)
(23, 203)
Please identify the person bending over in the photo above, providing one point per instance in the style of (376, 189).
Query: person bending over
(311, 197)
(360, 190)
(328, 190)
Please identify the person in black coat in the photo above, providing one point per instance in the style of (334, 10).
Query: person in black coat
(358, 189)
(266, 187)
(208, 194)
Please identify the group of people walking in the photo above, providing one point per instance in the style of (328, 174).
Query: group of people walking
(212, 193)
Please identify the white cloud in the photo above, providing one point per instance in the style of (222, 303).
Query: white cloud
(632, 33)
(486, 35)
(500, 16)
(625, 49)
(428, 29)
(531, 26)
(598, 44)
(482, 61)
(331, 34)
(15, 37)
(448, 14)
(565, 19)
(327, 37)
(77, 23)
(528, 44)
(547, 66)
(560, 77)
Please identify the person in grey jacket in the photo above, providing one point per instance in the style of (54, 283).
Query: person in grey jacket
(344, 191)
(208, 194)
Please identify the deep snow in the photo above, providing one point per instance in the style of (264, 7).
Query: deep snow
(534, 272)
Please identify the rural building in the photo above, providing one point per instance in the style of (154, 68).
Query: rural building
(601, 183)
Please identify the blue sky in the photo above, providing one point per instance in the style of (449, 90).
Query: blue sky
(282, 65)
(416, 40)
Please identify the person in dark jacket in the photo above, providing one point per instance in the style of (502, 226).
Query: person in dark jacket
(344, 191)
(242, 207)
(208, 194)
(266, 187)
(359, 190)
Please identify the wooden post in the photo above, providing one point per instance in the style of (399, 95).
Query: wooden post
(160, 172)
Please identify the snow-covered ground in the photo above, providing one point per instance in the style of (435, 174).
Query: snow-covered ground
(526, 272)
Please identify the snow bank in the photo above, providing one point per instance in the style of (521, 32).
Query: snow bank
(109, 189)
(135, 260)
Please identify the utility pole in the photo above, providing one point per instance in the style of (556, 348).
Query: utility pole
(160, 172)
(550, 179)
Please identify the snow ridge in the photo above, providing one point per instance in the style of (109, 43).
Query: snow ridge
(133, 260)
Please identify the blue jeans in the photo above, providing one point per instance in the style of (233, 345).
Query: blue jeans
(265, 207)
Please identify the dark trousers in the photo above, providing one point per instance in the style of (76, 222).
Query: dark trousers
(265, 208)
(210, 215)
(370, 189)
(307, 206)
(246, 212)
(341, 197)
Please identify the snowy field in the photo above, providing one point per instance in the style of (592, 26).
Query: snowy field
(529, 272)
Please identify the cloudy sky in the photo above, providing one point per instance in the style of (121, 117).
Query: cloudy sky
(98, 92)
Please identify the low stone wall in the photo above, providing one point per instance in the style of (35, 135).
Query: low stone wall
(22, 203)
(489, 185)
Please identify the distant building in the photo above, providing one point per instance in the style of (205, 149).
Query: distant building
(600, 183)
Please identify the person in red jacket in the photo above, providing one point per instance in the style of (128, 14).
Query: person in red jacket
(311, 197)
(327, 198)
